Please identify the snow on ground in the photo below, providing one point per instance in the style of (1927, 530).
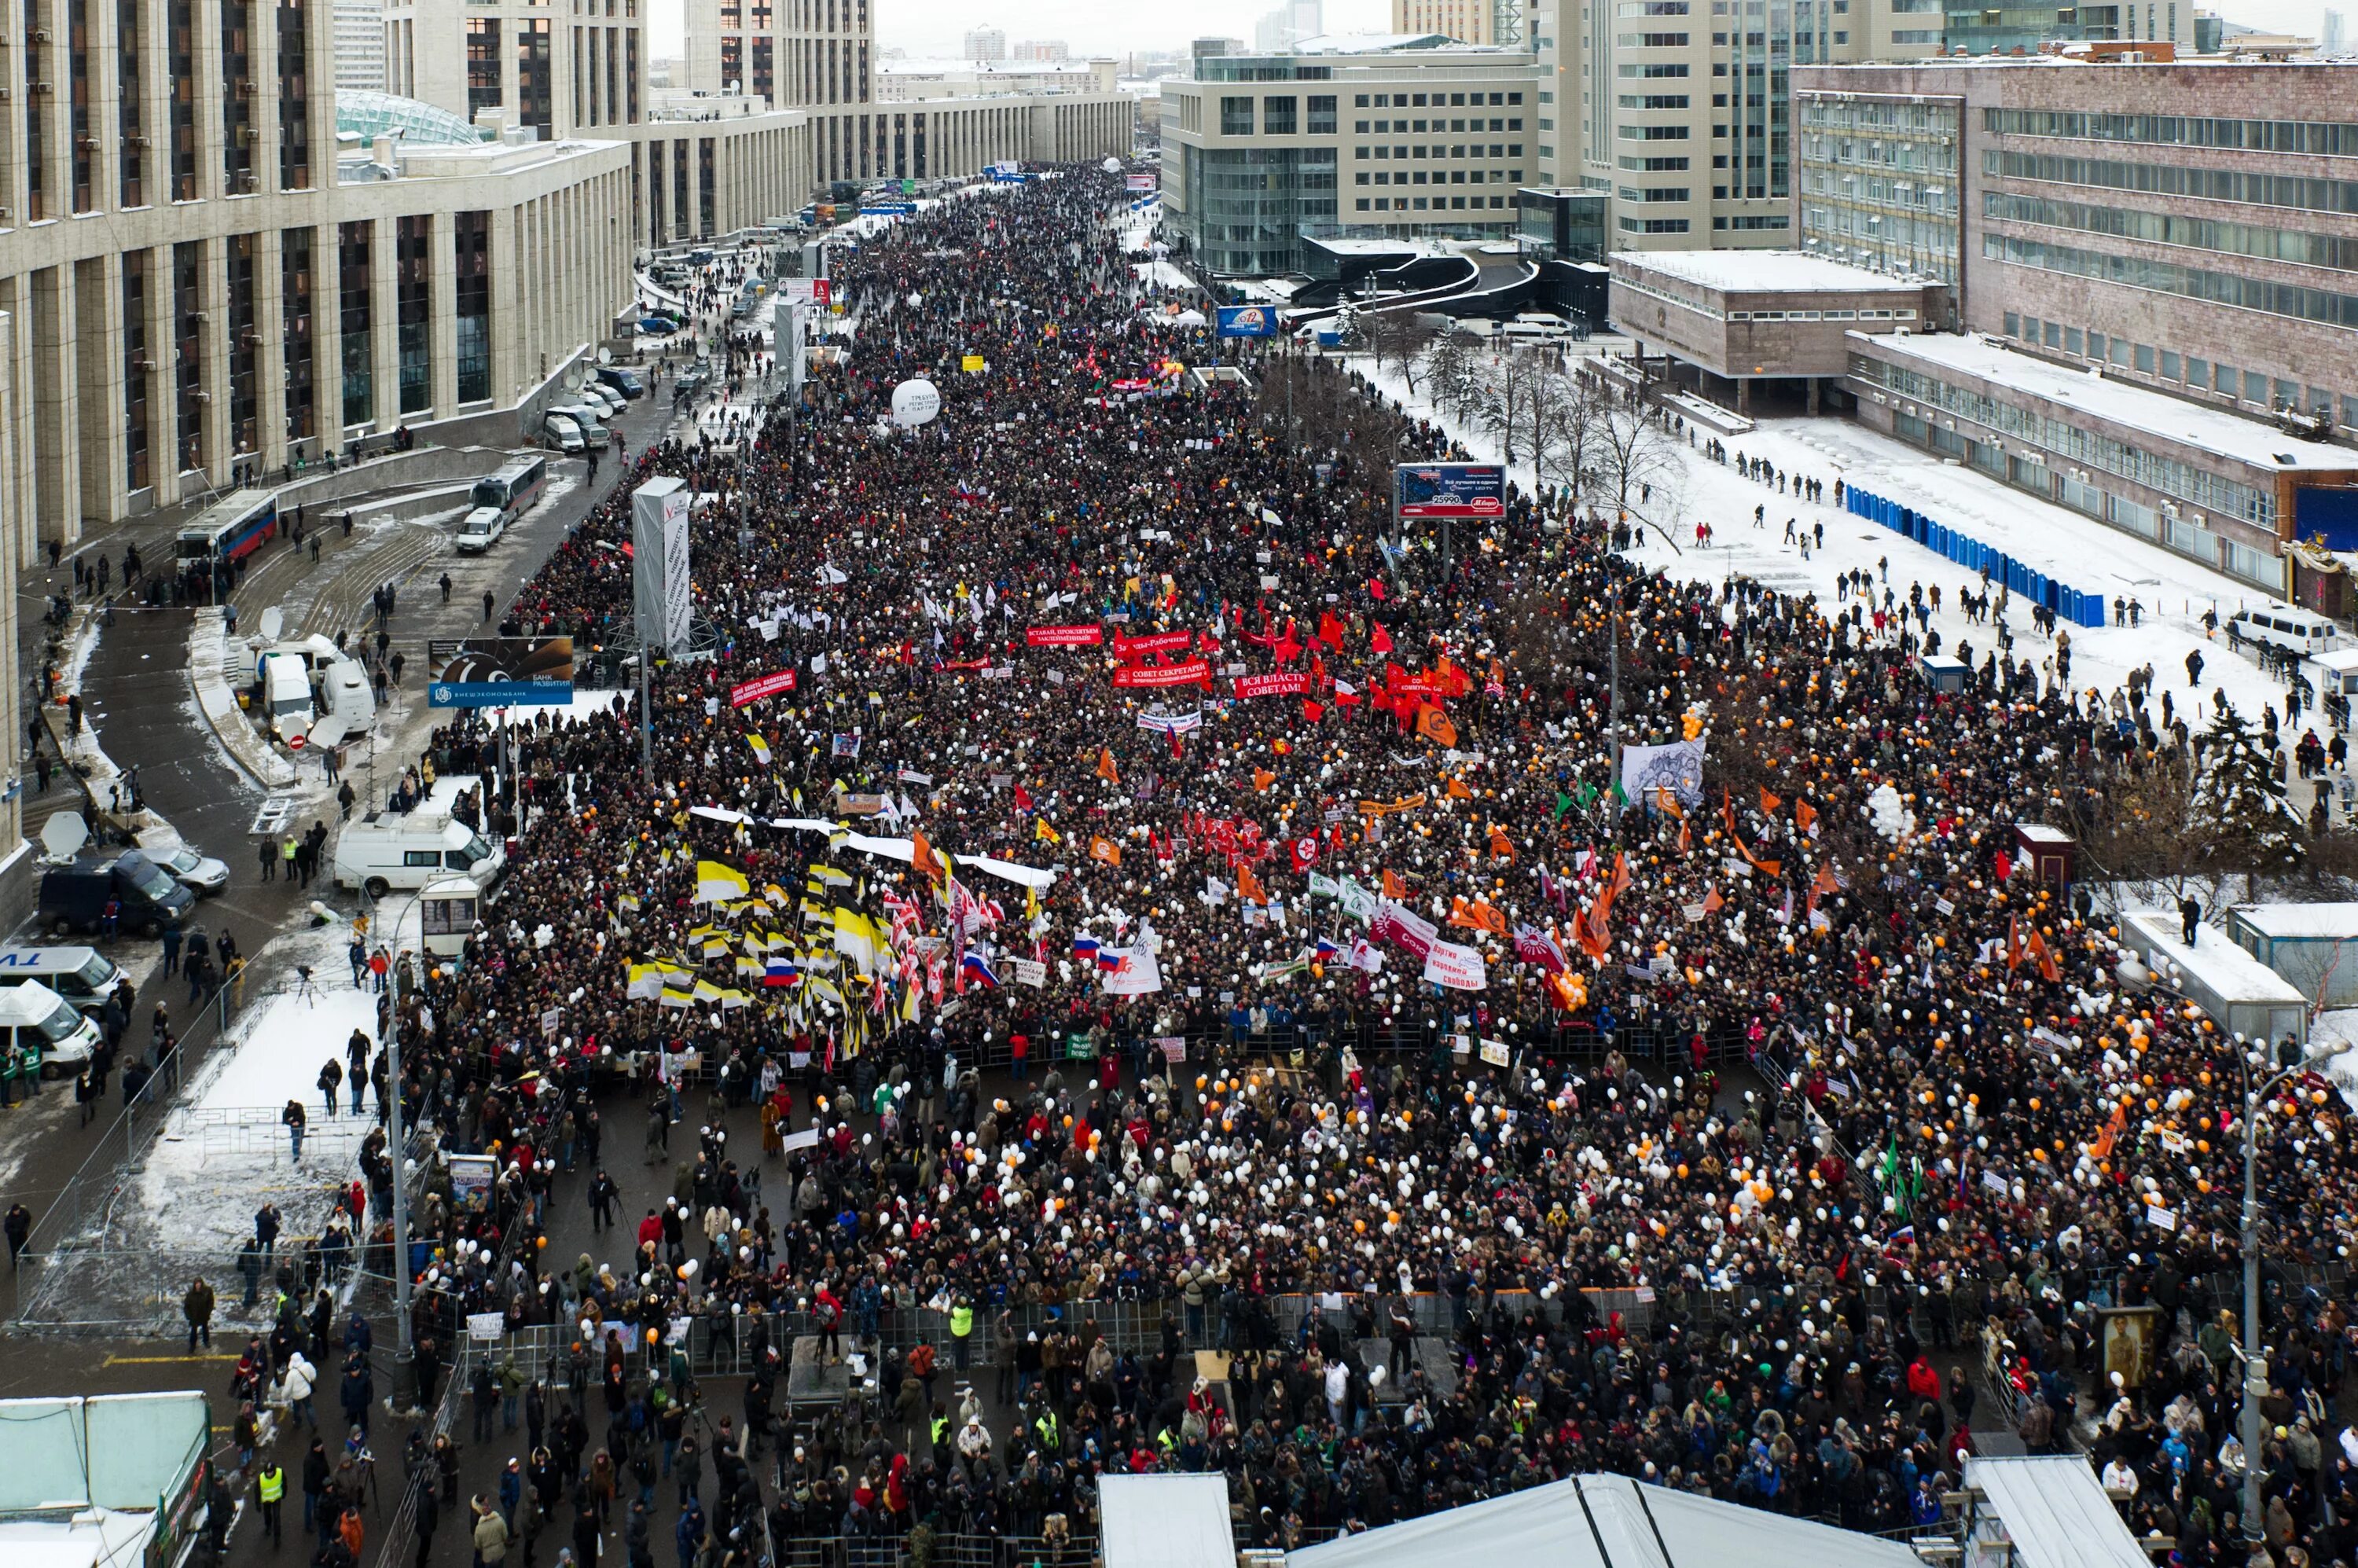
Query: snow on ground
(2338, 1024)
(2067, 545)
(214, 1166)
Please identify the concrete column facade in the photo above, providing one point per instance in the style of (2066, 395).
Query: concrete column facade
(57, 413)
(105, 106)
(211, 97)
(442, 329)
(270, 340)
(17, 476)
(163, 391)
(384, 335)
(98, 298)
(212, 304)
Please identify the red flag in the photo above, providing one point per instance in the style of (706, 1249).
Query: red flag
(1023, 798)
(1382, 642)
(1305, 850)
(1376, 586)
(1330, 631)
(1312, 712)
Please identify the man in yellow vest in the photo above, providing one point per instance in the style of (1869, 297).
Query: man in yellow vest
(270, 1486)
(961, 1331)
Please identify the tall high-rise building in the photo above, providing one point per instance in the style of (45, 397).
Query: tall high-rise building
(360, 45)
(1500, 23)
(1040, 49)
(2330, 37)
(986, 44)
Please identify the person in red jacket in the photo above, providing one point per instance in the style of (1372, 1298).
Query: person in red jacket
(651, 1230)
(1924, 1379)
(829, 1312)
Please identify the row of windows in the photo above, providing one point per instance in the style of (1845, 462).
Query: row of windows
(2333, 138)
(1417, 127)
(2191, 371)
(1653, 101)
(1652, 165)
(1418, 99)
(2197, 486)
(2170, 277)
(1439, 150)
(1762, 221)
(1818, 315)
(1630, 225)
(1655, 193)
(1277, 116)
(2177, 229)
(1665, 73)
(2170, 179)
(1650, 40)
(1440, 177)
(1423, 204)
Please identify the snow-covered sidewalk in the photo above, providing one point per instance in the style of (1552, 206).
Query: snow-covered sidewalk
(2073, 548)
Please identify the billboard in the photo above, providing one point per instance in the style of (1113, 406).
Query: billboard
(1450, 490)
(798, 343)
(1247, 321)
(662, 595)
(499, 672)
(1141, 181)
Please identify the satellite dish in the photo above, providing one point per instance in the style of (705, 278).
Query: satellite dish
(915, 402)
(576, 379)
(605, 356)
(326, 730)
(273, 621)
(63, 835)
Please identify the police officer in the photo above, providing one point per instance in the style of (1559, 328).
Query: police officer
(270, 1486)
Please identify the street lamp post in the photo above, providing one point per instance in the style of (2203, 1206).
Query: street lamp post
(2255, 1359)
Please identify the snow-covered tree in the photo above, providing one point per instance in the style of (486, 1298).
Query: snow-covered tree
(2239, 797)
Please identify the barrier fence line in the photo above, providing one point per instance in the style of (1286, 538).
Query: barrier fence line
(2073, 605)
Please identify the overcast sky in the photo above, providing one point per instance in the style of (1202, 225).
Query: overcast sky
(935, 27)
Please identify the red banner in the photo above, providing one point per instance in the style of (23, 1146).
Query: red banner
(1065, 636)
(1293, 683)
(766, 685)
(1187, 674)
(1153, 643)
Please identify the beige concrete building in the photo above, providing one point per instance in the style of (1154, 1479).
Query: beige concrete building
(1739, 318)
(1490, 23)
(1380, 138)
(909, 81)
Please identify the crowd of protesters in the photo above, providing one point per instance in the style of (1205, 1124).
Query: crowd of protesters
(1953, 1125)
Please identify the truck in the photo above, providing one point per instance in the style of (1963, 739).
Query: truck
(74, 894)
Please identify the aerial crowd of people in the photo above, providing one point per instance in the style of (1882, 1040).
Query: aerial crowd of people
(1160, 902)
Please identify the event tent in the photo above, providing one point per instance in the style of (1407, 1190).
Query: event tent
(2046, 1511)
(1166, 1521)
(1606, 1521)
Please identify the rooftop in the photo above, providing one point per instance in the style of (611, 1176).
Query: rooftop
(2120, 402)
(373, 114)
(1767, 271)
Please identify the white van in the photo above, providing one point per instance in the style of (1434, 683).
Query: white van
(480, 529)
(559, 434)
(383, 851)
(83, 977)
(34, 1015)
(2301, 631)
(347, 704)
(285, 694)
(585, 418)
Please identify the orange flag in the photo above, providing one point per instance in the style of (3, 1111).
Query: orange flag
(1105, 849)
(1769, 803)
(1665, 797)
(1395, 887)
(1457, 790)
(1478, 915)
(1434, 725)
(2013, 942)
(1106, 769)
(1686, 836)
(1248, 885)
(1500, 844)
(1804, 814)
(1713, 903)
(921, 857)
(1263, 779)
(1823, 885)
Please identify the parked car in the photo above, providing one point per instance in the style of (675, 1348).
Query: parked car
(480, 530)
(200, 875)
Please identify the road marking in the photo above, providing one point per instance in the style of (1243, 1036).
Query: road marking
(163, 1360)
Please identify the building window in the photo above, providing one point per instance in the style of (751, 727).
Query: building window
(1321, 116)
(413, 277)
(135, 369)
(294, 99)
(1235, 116)
(483, 62)
(77, 85)
(188, 340)
(471, 299)
(1277, 116)
(536, 91)
(355, 283)
(183, 49)
(244, 347)
(237, 107)
(295, 298)
(130, 47)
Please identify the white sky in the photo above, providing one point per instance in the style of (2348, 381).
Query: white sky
(936, 28)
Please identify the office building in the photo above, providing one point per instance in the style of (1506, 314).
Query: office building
(908, 80)
(2187, 271)
(1042, 51)
(1383, 137)
(1490, 23)
(986, 44)
(2329, 36)
(360, 45)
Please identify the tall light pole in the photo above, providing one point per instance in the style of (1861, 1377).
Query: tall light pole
(2256, 1358)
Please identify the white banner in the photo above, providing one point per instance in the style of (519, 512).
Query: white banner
(1135, 972)
(1457, 969)
(1677, 767)
(1026, 972)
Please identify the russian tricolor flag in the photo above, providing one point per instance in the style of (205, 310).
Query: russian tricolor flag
(776, 971)
(977, 968)
(1326, 951)
(1085, 947)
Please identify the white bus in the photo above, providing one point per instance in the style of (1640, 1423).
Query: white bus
(514, 487)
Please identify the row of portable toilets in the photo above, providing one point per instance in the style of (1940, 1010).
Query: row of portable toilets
(2069, 603)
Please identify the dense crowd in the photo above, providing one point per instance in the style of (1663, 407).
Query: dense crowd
(1959, 1125)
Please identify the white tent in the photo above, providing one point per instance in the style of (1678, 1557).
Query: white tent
(1166, 1521)
(1606, 1521)
(2046, 1511)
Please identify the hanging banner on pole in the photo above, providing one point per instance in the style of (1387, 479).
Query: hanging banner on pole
(766, 685)
(1450, 490)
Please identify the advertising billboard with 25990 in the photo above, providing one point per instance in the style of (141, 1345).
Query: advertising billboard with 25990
(1451, 490)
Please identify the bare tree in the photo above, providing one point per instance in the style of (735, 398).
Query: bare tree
(1453, 370)
(1632, 451)
(1398, 335)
